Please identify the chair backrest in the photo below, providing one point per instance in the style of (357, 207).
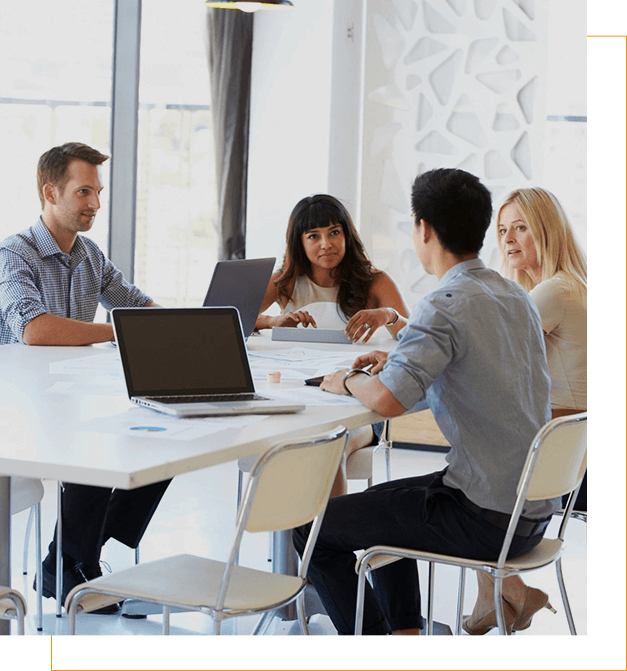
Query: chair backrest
(290, 484)
(555, 465)
(25, 493)
(558, 456)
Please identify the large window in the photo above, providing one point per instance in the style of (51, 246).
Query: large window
(55, 87)
(176, 242)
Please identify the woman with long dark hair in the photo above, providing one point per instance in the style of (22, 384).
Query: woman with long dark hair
(326, 266)
(328, 281)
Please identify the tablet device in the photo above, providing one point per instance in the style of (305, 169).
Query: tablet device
(310, 334)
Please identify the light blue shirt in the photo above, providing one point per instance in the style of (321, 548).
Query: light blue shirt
(474, 348)
(37, 278)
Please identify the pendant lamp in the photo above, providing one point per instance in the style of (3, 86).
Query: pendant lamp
(250, 6)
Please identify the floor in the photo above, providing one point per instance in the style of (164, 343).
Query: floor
(196, 515)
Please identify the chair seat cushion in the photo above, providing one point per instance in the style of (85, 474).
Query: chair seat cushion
(544, 553)
(193, 582)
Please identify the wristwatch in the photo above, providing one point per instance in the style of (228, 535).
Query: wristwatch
(395, 318)
(350, 373)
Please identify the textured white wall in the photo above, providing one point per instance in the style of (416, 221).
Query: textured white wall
(448, 83)
(416, 84)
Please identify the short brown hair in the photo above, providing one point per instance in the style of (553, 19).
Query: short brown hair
(52, 166)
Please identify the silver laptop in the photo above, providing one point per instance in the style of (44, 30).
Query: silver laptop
(189, 362)
(243, 284)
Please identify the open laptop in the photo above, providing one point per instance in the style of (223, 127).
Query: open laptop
(189, 362)
(241, 283)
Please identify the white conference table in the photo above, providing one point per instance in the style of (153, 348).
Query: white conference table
(47, 420)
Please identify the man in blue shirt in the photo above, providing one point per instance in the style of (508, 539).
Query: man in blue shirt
(51, 282)
(473, 349)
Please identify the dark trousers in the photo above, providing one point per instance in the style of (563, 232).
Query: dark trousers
(419, 513)
(92, 515)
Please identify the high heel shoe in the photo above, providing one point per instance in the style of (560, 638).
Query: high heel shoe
(488, 621)
(535, 600)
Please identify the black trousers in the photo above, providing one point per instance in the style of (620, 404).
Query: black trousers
(92, 515)
(420, 513)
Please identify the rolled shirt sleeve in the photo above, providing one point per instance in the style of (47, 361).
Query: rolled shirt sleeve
(20, 298)
(37, 278)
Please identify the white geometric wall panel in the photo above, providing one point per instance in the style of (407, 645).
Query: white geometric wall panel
(448, 83)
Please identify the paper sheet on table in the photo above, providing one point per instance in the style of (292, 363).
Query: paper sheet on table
(143, 423)
(103, 364)
(299, 363)
(99, 385)
(310, 396)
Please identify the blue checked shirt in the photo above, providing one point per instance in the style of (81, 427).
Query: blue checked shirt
(37, 278)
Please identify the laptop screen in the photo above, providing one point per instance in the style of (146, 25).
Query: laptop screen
(171, 351)
(241, 283)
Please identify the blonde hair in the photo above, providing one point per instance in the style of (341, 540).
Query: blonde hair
(557, 249)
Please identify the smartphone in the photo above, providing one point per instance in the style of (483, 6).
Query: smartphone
(314, 381)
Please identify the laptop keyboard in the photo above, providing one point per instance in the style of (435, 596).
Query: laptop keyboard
(209, 398)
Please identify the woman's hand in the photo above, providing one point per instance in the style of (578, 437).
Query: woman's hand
(292, 319)
(366, 322)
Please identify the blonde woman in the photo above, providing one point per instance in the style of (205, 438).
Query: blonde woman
(539, 251)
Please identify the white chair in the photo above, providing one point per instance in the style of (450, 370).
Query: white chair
(358, 467)
(288, 486)
(358, 464)
(27, 493)
(555, 466)
(12, 607)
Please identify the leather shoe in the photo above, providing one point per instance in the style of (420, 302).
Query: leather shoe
(73, 575)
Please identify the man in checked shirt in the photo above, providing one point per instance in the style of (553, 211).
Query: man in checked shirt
(51, 282)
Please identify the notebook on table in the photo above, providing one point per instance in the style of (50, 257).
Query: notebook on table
(189, 362)
(242, 284)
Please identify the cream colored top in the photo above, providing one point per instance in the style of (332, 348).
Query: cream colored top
(564, 322)
(320, 302)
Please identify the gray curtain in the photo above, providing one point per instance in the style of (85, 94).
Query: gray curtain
(230, 37)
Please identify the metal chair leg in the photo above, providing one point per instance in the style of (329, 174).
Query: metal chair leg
(29, 526)
(263, 623)
(498, 606)
(460, 601)
(386, 444)
(39, 570)
(430, 599)
(59, 543)
(565, 601)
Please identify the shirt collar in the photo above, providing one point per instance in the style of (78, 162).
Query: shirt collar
(459, 268)
(47, 245)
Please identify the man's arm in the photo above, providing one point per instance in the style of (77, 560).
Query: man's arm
(367, 389)
(49, 329)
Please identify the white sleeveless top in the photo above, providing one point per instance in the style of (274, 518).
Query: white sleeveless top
(320, 302)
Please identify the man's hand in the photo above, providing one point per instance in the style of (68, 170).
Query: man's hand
(334, 383)
(373, 361)
(366, 388)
